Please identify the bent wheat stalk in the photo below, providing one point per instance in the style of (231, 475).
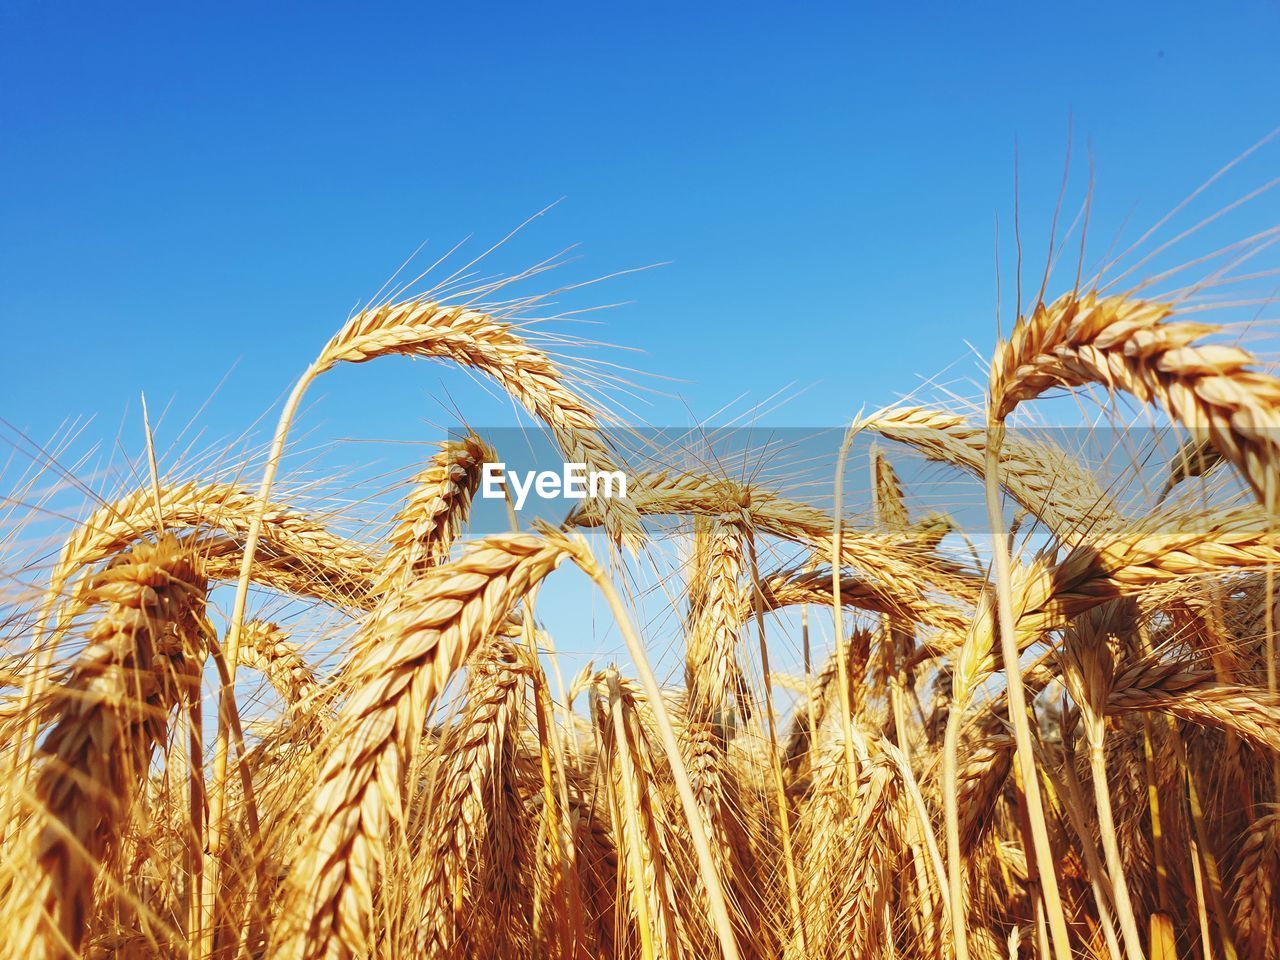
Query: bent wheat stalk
(1044, 868)
(1132, 345)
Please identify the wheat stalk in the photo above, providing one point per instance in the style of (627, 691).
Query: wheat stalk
(1089, 679)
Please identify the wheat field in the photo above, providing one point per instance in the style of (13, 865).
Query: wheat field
(1061, 740)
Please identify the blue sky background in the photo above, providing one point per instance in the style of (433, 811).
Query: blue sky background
(199, 192)
(191, 190)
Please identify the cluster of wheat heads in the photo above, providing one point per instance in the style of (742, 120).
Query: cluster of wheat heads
(1071, 748)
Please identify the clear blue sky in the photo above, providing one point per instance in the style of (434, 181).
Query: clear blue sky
(192, 188)
(191, 191)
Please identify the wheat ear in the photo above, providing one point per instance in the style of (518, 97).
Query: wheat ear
(712, 673)
(636, 807)
(1133, 345)
(809, 717)
(458, 822)
(431, 630)
(1254, 907)
(715, 684)
(141, 660)
(209, 508)
(1042, 478)
(1252, 713)
(266, 648)
(431, 518)
(305, 557)
(1195, 458)
(887, 494)
(802, 585)
(899, 561)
